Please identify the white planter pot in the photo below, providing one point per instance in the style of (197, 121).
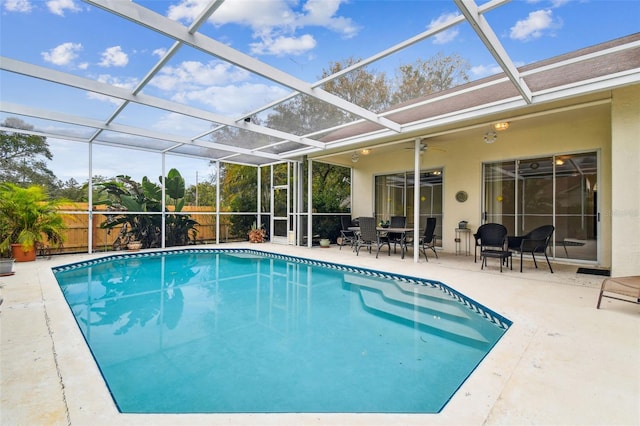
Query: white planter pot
(6, 267)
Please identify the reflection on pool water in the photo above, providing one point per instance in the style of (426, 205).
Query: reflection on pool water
(234, 330)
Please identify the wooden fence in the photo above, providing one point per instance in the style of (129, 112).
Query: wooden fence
(77, 220)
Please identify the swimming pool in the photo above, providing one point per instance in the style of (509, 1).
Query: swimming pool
(238, 330)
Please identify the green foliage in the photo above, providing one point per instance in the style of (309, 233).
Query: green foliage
(125, 194)
(239, 189)
(23, 157)
(27, 216)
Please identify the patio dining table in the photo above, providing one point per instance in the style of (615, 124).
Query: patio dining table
(401, 231)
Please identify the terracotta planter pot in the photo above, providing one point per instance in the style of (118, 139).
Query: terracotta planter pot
(21, 255)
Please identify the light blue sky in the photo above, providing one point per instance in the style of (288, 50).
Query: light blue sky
(299, 37)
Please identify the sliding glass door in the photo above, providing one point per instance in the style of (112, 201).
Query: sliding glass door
(394, 196)
(559, 190)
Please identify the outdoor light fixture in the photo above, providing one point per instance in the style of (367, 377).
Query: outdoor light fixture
(503, 125)
(365, 151)
(355, 157)
(559, 162)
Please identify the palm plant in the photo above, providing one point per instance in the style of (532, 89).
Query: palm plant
(28, 217)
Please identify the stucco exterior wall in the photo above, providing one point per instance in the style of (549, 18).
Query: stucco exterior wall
(625, 181)
(562, 132)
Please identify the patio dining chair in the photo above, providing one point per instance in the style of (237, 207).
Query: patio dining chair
(395, 237)
(348, 236)
(428, 239)
(536, 241)
(369, 236)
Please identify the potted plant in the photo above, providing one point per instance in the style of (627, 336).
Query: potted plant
(6, 261)
(257, 235)
(28, 218)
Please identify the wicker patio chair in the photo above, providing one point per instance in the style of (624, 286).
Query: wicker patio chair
(493, 243)
(536, 241)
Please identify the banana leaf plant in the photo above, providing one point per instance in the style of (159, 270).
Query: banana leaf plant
(143, 199)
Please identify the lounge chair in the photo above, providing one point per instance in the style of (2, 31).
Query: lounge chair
(629, 287)
(369, 236)
(534, 242)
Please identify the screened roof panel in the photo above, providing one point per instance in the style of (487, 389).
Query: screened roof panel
(164, 74)
(158, 120)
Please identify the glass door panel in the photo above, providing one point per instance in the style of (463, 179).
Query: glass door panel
(535, 194)
(500, 194)
(576, 206)
(390, 196)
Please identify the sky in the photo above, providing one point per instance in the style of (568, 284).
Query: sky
(300, 37)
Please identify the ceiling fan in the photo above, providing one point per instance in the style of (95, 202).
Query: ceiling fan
(424, 147)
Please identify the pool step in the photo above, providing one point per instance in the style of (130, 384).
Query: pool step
(374, 300)
(431, 299)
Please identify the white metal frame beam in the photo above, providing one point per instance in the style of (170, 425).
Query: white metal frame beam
(123, 129)
(480, 25)
(172, 29)
(105, 89)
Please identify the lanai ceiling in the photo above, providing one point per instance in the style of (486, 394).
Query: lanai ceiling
(61, 102)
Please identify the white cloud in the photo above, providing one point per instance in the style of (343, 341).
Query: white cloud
(177, 124)
(554, 3)
(533, 26)
(485, 70)
(126, 83)
(22, 6)
(322, 13)
(274, 22)
(159, 52)
(281, 46)
(446, 36)
(190, 74)
(114, 57)
(233, 100)
(63, 54)
(57, 7)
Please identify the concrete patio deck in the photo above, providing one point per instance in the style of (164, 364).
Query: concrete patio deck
(562, 362)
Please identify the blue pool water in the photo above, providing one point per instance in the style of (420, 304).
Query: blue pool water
(224, 331)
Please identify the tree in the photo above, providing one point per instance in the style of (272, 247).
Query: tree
(71, 190)
(431, 76)
(304, 114)
(23, 156)
(238, 193)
